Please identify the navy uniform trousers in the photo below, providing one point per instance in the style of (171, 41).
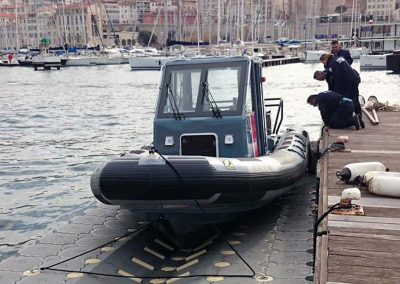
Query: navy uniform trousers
(342, 117)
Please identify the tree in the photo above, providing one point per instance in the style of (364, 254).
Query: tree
(340, 9)
(144, 37)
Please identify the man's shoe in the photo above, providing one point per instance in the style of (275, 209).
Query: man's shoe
(362, 124)
(356, 121)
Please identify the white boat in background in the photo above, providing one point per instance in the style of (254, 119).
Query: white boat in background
(314, 55)
(373, 61)
(152, 59)
(149, 62)
(106, 57)
(356, 52)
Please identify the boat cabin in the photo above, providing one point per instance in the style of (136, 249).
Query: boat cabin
(211, 106)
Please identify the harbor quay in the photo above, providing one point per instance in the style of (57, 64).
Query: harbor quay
(359, 247)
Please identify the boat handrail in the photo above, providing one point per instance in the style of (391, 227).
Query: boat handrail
(279, 113)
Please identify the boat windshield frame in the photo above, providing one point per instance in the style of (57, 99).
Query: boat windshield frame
(197, 107)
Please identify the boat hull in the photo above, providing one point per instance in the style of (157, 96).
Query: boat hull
(373, 62)
(313, 56)
(148, 184)
(148, 62)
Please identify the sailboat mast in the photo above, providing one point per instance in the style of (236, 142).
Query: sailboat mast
(242, 21)
(198, 28)
(351, 24)
(83, 26)
(180, 20)
(238, 21)
(154, 27)
(28, 38)
(16, 25)
(165, 21)
(64, 22)
(219, 22)
(265, 20)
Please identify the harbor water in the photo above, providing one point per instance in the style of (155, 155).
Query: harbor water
(56, 127)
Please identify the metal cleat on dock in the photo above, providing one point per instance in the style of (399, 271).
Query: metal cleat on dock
(346, 207)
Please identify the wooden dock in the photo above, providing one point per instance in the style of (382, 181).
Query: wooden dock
(359, 249)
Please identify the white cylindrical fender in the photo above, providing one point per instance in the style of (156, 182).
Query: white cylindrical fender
(371, 174)
(354, 170)
(385, 185)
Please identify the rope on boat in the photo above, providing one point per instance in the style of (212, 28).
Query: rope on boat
(217, 230)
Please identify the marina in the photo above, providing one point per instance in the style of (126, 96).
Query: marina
(61, 132)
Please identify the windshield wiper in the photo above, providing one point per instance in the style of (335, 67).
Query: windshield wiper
(172, 101)
(210, 99)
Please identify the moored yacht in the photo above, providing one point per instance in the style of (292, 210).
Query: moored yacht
(314, 55)
(373, 61)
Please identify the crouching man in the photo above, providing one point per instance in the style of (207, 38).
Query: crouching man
(336, 110)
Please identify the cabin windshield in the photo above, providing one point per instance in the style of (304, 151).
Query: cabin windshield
(213, 90)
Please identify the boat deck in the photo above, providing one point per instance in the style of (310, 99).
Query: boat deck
(360, 249)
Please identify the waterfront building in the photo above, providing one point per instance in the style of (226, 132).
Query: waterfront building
(380, 10)
(379, 38)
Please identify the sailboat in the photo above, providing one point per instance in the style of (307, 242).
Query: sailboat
(155, 61)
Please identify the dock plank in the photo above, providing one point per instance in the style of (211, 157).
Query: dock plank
(364, 219)
(379, 202)
(363, 274)
(361, 249)
(367, 244)
(365, 258)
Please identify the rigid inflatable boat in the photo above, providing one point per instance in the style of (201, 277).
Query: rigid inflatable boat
(215, 148)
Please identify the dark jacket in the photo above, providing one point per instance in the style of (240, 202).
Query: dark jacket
(341, 77)
(345, 54)
(328, 103)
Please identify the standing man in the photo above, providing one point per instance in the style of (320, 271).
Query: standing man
(336, 110)
(337, 51)
(342, 79)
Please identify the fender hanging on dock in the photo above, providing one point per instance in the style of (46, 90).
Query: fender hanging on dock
(370, 175)
(351, 171)
(387, 185)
